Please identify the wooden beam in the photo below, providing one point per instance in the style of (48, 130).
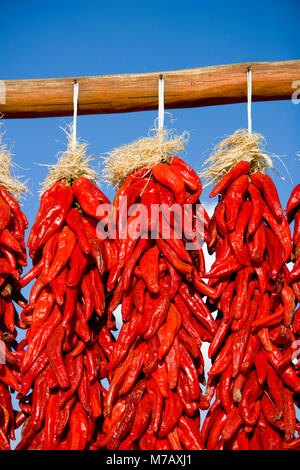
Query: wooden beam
(206, 86)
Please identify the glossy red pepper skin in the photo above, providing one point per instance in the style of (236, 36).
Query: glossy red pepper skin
(74, 221)
(65, 247)
(87, 199)
(188, 174)
(237, 236)
(234, 199)
(294, 200)
(166, 176)
(160, 308)
(51, 220)
(5, 214)
(264, 183)
(149, 268)
(171, 414)
(242, 168)
(281, 230)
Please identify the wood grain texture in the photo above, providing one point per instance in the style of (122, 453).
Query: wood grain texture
(206, 86)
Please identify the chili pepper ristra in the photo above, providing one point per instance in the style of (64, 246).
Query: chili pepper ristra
(68, 341)
(13, 259)
(157, 364)
(255, 395)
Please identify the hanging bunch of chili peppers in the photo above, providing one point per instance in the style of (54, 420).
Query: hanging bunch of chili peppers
(255, 389)
(291, 352)
(156, 364)
(65, 353)
(12, 260)
(293, 214)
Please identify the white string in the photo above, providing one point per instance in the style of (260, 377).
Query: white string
(249, 99)
(75, 107)
(161, 103)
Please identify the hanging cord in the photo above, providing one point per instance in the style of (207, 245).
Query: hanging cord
(146, 151)
(161, 103)
(249, 99)
(73, 163)
(75, 108)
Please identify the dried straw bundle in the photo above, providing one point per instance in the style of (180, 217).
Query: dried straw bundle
(71, 164)
(13, 185)
(241, 145)
(144, 152)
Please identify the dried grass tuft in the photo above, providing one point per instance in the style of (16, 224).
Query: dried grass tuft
(7, 178)
(146, 151)
(239, 146)
(71, 164)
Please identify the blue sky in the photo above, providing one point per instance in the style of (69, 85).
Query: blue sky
(79, 38)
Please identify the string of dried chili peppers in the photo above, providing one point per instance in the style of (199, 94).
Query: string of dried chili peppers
(65, 353)
(291, 352)
(254, 389)
(157, 365)
(12, 260)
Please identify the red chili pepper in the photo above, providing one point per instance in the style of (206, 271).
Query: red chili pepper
(139, 424)
(168, 331)
(160, 375)
(74, 221)
(51, 220)
(150, 201)
(149, 268)
(289, 376)
(242, 168)
(70, 305)
(232, 424)
(226, 266)
(251, 393)
(281, 230)
(157, 404)
(288, 298)
(224, 386)
(257, 208)
(166, 176)
(237, 236)
(172, 361)
(173, 258)
(134, 369)
(216, 431)
(65, 247)
(234, 198)
(198, 308)
(88, 201)
(189, 435)
(189, 176)
(171, 414)
(261, 367)
(41, 394)
(54, 352)
(20, 221)
(5, 214)
(265, 184)
(40, 339)
(159, 309)
(59, 286)
(294, 199)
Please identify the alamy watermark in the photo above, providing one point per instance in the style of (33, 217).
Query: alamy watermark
(153, 221)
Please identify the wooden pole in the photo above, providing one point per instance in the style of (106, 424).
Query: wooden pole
(206, 86)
